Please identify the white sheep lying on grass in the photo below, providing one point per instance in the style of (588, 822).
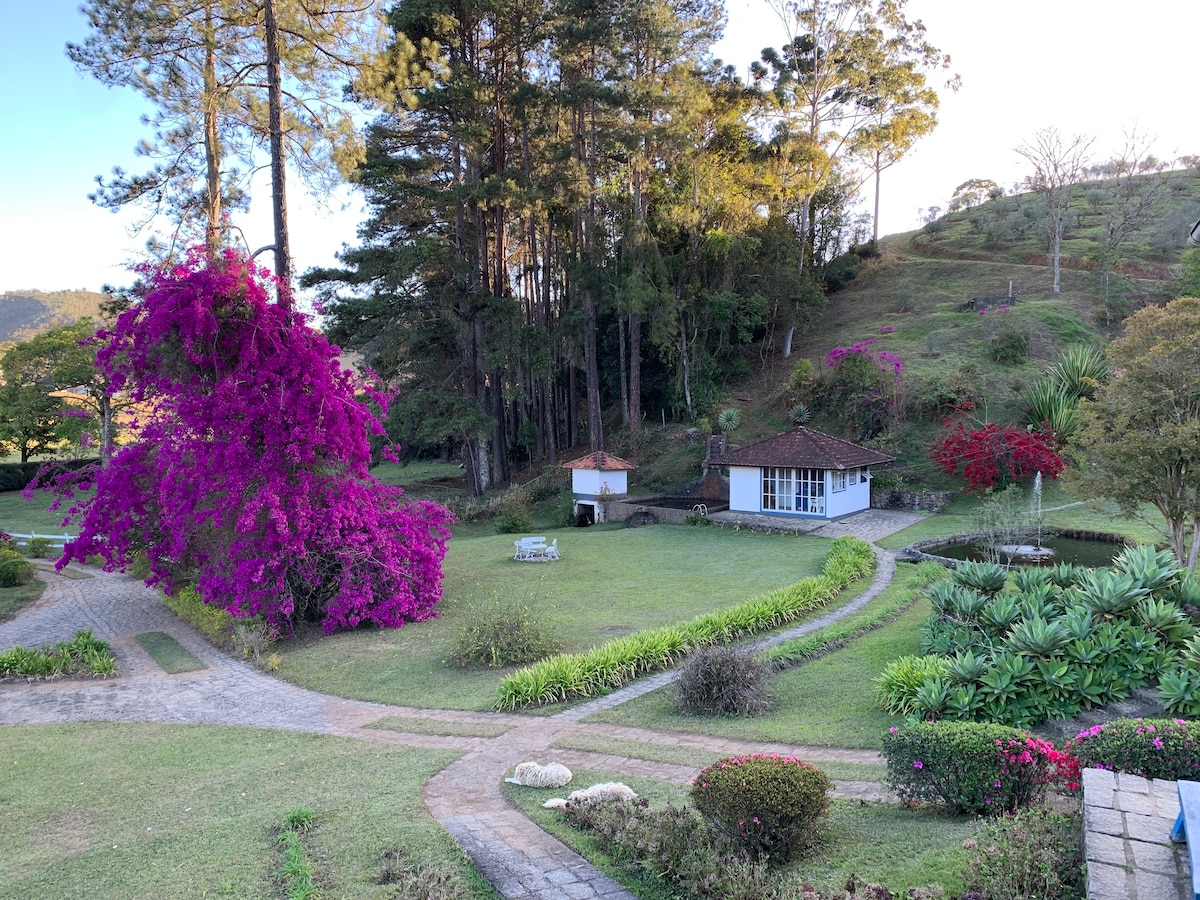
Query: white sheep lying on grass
(609, 790)
(531, 774)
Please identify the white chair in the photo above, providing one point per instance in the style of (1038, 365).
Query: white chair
(552, 550)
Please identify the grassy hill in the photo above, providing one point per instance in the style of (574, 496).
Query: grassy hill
(26, 313)
(913, 302)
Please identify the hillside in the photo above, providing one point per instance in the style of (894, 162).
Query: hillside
(914, 301)
(26, 313)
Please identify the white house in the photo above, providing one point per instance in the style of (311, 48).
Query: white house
(597, 477)
(801, 472)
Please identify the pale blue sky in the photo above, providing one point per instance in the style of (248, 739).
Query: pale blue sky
(1083, 66)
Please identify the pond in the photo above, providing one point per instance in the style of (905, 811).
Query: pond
(1081, 551)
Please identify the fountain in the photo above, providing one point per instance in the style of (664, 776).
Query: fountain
(1035, 552)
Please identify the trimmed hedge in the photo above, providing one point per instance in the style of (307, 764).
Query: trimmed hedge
(1152, 748)
(611, 665)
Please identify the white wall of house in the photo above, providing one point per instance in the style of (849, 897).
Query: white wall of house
(745, 492)
(591, 482)
(854, 498)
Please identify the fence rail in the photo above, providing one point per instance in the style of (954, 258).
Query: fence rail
(56, 540)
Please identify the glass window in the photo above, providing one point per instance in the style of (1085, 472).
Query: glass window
(839, 480)
(853, 476)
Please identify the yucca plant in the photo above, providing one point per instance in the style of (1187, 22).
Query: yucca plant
(729, 419)
(1080, 370)
(800, 414)
(1050, 408)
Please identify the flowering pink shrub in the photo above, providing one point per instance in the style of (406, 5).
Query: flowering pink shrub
(250, 462)
(1152, 748)
(768, 803)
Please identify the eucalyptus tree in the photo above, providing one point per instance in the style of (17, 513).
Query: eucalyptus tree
(1059, 163)
(203, 66)
(850, 79)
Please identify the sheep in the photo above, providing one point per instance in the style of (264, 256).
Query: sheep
(609, 790)
(531, 774)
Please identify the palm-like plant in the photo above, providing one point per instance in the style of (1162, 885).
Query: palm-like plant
(800, 414)
(1080, 370)
(1051, 409)
(729, 419)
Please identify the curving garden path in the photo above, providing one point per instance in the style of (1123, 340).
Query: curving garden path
(511, 852)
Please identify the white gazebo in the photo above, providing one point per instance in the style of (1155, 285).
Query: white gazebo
(595, 478)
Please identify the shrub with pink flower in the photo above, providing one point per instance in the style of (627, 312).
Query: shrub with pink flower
(1152, 748)
(770, 804)
(249, 464)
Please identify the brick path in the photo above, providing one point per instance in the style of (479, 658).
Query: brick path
(516, 856)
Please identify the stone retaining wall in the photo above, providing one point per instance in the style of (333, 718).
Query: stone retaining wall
(913, 501)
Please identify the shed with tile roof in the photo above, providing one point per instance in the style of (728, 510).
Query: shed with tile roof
(597, 477)
(802, 472)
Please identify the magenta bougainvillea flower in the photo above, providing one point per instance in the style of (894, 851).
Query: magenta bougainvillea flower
(249, 462)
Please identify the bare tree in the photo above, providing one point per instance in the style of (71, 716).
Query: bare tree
(1058, 164)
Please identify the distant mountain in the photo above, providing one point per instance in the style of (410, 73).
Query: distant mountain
(24, 314)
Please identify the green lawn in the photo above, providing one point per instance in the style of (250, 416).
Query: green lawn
(151, 811)
(826, 702)
(608, 583)
(30, 516)
(14, 599)
(877, 842)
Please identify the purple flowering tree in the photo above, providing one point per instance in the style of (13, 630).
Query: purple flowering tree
(249, 464)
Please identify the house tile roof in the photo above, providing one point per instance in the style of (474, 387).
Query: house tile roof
(604, 462)
(802, 448)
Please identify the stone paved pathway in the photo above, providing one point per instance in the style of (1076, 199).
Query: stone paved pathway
(516, 856)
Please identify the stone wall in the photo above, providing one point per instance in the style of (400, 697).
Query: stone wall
(913, 501)
(635, 514)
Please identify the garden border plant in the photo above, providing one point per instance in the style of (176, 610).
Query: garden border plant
(611, 665)
(83, 655)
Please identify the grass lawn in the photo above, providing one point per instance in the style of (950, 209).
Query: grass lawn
(14, 599)
(171, 657)
(877, 842)
(151, 811)
(609, 582)
(30, 516)
(827, 702)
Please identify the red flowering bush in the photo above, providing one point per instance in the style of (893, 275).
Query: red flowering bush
(768, 804)
(992, 456)
(249, 462)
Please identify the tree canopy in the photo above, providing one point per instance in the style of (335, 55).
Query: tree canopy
(1140, 438)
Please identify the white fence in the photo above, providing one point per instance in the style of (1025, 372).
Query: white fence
(56, 540)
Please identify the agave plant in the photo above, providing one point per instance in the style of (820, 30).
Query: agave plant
(1165, 618)
(1179, 692)
(1108, 593)
(1000, 613)
(1028, 578)
(1065, 574)
(986, 577)
(1080, 370)
(966, 666)
(1155, 570)
(1037, 637)
(932, 698)
(1079, 622)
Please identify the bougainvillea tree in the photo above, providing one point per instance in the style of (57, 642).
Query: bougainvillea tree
(249, 463)
(992, 455)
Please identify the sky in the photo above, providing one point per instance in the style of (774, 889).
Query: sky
(1080, 66)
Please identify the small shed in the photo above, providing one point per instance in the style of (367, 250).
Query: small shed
(597, 477)
(802, 472)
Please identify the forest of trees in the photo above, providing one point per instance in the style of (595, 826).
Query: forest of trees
(574, 208)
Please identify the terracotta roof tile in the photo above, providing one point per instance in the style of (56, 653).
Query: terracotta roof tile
(605, 462)
(803, 448)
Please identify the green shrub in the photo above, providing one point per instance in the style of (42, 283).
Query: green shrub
(968, 767)
(502, 633)
(722, 681)
(15, 570)
(1152, 748)
(37, 548)
(82, 655)
(896, 687)
(516, 516)
(1033, 854)
(211, 621)
(769, 804)
(1010, 347)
